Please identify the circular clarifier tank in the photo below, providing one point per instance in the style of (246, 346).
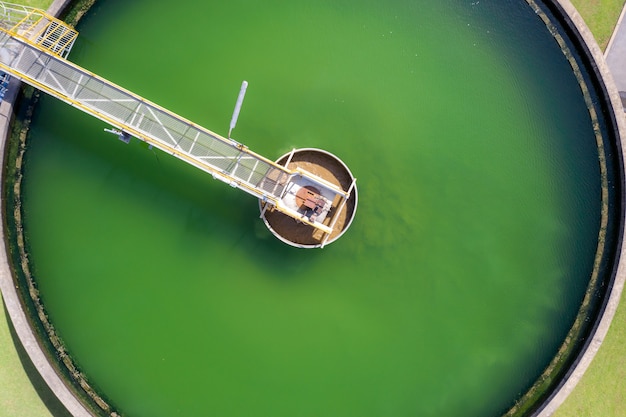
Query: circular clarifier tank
(480, 193)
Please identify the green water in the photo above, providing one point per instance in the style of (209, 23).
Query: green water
(459, 278)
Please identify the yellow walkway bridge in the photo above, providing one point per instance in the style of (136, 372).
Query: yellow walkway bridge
(34, 47)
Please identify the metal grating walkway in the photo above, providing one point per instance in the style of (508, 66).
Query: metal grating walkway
(227, 160)
(39, 27)
(33, 47)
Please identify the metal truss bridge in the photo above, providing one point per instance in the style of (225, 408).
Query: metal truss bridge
(34, 47)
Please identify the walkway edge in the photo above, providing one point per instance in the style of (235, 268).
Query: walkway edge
(11, 298)
(613, 298)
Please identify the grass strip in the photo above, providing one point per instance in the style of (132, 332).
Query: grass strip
(601, 16)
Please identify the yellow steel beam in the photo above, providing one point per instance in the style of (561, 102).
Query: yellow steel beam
(29, 23)
(73, 102)
(160, 145)
(15, 28)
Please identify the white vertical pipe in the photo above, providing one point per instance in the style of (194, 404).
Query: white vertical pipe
(233, 120)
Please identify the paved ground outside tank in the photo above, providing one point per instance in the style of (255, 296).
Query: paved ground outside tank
(616, 55)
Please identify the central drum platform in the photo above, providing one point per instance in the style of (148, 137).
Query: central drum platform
(325, 215)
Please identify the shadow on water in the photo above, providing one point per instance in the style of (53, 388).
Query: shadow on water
(46, 395)
(236, 212)
(242, 232)
(268, 252)
(205, 206)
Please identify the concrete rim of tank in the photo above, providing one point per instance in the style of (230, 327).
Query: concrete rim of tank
(617, 123)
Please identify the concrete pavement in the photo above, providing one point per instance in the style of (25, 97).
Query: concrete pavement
(615, 56)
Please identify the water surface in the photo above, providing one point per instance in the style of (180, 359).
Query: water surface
(459, 278)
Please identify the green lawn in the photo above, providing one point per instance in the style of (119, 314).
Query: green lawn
(23, 392)
(40, 4)
(600, 393)
(17, 395)
(601, 17)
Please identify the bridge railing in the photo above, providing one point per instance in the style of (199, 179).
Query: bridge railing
(226, 159)
(36, 61)
(12, 14)
(39, 27)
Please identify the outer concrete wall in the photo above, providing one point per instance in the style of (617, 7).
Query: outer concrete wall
(612, 298)
(9, 292)
(39, 359)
